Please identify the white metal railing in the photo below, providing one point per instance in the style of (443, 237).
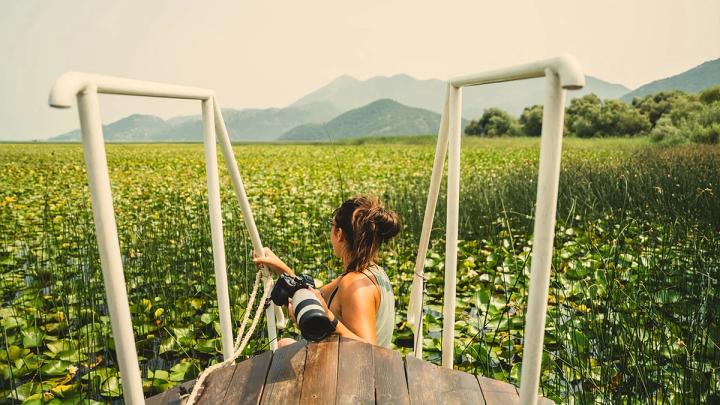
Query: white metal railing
(86, 87)
(560, 74)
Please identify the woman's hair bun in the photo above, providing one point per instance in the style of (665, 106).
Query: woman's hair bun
(387, 222)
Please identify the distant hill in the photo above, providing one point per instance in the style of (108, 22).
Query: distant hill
(346, 93)
(381, 117)
(243, 125)
(694, 80)
(136, 127)
(351, 107)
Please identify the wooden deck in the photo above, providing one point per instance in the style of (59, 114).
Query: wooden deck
(343, 371)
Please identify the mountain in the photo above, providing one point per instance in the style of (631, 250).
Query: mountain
(136, 127)
(346, 93)
(694, 80)
(381, 117)
(243, 125)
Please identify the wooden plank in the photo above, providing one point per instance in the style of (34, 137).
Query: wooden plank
(390, 381)
(356, 373)
(248, 381)
(171, 396)
(421, 385)
(285, 377)
(457, 387)
(320, 376)
(216, 385)
(498, 392)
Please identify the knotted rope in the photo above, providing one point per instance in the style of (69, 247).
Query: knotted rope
(240, 342)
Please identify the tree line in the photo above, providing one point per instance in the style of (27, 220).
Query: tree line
(666, 117)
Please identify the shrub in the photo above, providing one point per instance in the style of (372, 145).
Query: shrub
(494, 122)
(589, 116)
(667, 133)
(656, 105)
(531, 120)
(710, 95)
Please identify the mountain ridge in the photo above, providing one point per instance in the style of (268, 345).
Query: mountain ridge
(314, 112)
(692, 80)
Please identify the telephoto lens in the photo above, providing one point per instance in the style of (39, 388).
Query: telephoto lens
(310, 314)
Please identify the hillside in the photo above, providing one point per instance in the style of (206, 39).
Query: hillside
(382, 117)
(693, 80)
(346, 93)
(243, 125)
(133, 128)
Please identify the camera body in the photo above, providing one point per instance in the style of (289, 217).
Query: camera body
(309, 312)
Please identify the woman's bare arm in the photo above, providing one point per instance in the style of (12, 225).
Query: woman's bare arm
(328, 288)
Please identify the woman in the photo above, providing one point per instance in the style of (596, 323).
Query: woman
(361, 299)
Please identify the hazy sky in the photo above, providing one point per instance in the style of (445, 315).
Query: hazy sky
(270, 53)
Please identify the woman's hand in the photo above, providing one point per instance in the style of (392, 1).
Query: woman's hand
(320, 298)
(273, 263)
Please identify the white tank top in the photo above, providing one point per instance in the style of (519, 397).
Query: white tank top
(385, 319)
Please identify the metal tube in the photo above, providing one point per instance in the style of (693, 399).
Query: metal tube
(565, 66)
(232, 166)
(414, 315)
(216, 228)
(108, 244)
(71, 83)
(453, 202)
(543, 236)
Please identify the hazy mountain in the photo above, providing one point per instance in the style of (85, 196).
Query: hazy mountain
(136, 127)
(346, 93)
(311, 117)
(381, 117)
(696, 79)
(243, 125)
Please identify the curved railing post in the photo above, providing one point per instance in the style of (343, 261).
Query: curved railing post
(108, 244)
(562, 73)
(86, 86)
(543, 236)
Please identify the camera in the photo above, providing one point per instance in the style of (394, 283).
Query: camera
(309, 312)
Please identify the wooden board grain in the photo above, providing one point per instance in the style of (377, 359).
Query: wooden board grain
(356, 373)
(390, 382)
(216, 385)
(421, 386)
(284, 381)
(456, 387)
(498, 392)
(248, 381)
(320, 377)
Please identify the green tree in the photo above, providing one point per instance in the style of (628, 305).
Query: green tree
(494, 122)
(588, 116)
(710, 95)
(531, 120)
(656, 105)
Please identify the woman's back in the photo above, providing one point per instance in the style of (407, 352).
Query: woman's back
(385, 318)
(385, 315)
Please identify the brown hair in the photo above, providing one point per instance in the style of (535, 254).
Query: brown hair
(366, 224)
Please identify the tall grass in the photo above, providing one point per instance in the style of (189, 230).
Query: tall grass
(633, 293)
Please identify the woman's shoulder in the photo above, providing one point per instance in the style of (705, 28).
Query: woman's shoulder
(354, 279)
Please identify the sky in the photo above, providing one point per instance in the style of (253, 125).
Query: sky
(258, 54)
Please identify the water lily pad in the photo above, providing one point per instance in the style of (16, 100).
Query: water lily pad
(55, 368)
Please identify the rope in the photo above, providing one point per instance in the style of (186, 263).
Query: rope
(197, 388)
(247, 312)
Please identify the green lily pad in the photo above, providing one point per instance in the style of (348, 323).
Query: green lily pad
(55, 368)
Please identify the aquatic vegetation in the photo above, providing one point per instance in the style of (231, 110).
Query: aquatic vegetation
(631, 314)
